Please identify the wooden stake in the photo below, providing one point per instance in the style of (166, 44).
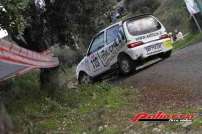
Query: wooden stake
(197, 24)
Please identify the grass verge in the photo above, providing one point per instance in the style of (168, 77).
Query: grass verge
(188, 40)
(83, 109)
(100, 108)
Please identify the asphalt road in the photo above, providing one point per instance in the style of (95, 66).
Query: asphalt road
(182, 72)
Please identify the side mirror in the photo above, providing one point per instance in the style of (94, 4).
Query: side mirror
(159, 26)
(88, 54)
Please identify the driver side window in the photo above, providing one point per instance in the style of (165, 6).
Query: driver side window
(98, 43)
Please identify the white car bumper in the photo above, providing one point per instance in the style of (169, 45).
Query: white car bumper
(142, 51)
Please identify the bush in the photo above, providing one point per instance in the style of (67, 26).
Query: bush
(173, 14)
(34, 111)
(142, 6)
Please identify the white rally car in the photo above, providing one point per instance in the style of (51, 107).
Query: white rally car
(122, 45)
(3, 33)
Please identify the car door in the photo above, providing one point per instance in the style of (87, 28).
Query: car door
(96, 66)
(109, 53)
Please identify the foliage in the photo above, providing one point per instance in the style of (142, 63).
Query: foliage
(173, 14)
(63, 22)
(12, 19)
(188, 40)
(77, 18)
(34, 111)
(142, 6)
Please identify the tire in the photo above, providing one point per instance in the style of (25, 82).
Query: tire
(85, 79)
(126, 65)
(166, 55)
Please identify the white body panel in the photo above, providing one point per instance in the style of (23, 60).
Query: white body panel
(3, 33)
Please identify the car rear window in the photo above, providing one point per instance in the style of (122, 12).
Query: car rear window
(143, 26)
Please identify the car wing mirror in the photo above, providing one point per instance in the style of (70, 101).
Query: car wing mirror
(88, 53)
(159, 26)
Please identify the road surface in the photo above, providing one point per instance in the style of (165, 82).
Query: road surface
(182, 72)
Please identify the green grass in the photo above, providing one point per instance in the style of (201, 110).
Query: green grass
(80, 110)
(188, 40)
(70, 110)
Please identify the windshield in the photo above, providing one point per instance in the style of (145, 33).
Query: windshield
(143, 26)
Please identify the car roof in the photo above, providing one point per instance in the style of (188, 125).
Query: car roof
(122, 21)
(114, 24)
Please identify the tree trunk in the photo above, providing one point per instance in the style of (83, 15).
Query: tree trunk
(49, 80)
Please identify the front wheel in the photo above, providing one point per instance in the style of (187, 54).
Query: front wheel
(85, 79)
(126, 65)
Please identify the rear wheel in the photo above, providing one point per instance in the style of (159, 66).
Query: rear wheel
(166, 55)
(85, 79)
(126, 65)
